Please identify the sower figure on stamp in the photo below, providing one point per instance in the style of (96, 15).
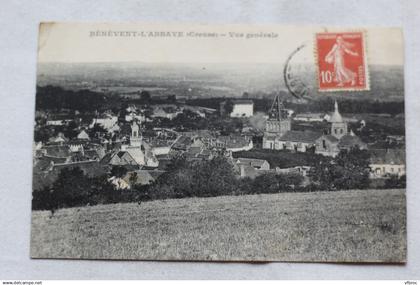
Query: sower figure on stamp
(342, 74)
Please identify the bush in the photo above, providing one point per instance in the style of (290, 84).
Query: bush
(276, 183)
(72, 188)
(205, 178)
(349, 170)
(195, 179)
(396, 182)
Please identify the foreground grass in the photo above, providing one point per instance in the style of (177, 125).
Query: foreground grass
(357, 225)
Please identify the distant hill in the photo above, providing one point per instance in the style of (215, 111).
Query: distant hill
(213, 80)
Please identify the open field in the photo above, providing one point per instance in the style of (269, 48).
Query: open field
(355, 225)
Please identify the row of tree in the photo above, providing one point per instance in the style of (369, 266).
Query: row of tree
(316, 106)
(207, 178)
(57, 98)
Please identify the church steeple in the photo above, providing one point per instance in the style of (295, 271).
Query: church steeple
(278, 122)
(338, 126)
(277, 110)
(135, 138)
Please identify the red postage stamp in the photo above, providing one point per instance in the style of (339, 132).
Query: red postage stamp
(341, 61)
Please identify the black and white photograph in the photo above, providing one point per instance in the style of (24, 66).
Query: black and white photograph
(251, 143)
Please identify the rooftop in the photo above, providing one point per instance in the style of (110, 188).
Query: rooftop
(387, 156)
(251, 161)
(350, 140)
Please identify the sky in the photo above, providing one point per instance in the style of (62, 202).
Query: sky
(93, 42)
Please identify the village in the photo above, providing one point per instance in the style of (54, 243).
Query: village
(143, 139)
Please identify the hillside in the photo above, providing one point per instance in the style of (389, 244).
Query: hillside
(357, 225)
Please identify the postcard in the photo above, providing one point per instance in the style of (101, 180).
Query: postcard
(250, 143)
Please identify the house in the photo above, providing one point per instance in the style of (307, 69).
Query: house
(107, 121)
(59, 139)
(89, 168)
(350, 141)
(250, 167)
(119, 158)
(168, 112)
(182, 143)
(93, 154)
(200, 137)
(327, 145)
(46, 163)
(258, 164)
(134, 116)
(83, 135)
(199, 153)
(56, 150)
(160, 146)
(58, 122)
(387, 162)
(247, 171)
(233, 143)
(242, 109)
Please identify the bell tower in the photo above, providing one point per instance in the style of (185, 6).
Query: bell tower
(135, 138)
(278, 122)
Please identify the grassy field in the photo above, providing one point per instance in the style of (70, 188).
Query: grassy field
(367, 226)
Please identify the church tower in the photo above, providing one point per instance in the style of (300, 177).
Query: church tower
(278, 122)
(338, 126)
(135, 138)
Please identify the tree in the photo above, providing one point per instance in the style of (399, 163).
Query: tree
(145, 97)
(228, 107)
(245, 95)
(123, 112)
(71, 130)
(396, 182)
(171, 98)
(57, 98)
(196, 179)
(266, 183)
(349, 170)
(214, 177)
(73, 188)
(43, 134)
(133, 178)
(276, 183)
(98, 129)
(118, 171)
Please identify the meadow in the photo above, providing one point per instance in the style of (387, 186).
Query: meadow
(342, 226)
